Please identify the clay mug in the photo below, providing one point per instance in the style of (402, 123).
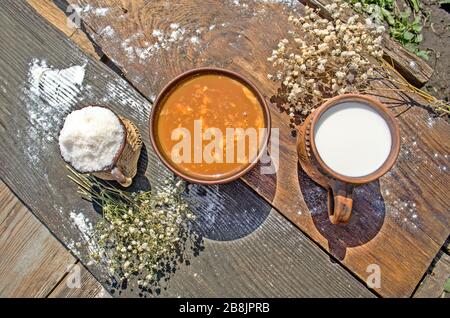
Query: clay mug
(124, 165)
(340, 187)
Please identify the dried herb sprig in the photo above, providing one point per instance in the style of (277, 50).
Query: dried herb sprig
(139, 232)
(322, 58)
(438, 106)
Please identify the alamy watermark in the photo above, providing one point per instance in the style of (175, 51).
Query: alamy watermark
(374, 278)
(234, 145)
(73, 277)
(73, 16)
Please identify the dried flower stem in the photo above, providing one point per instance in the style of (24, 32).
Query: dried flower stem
(440, 107)
(139, 231)
(322, 58)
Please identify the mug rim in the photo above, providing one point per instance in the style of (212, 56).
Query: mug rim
(167, 89)
(118, 153)
(382, 111)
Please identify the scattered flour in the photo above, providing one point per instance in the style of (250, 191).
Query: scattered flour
(101, 12)
(90, 138)
(56, 87)
(116, 91)
(84, 225)
(195, 40)
(406, 212)
(83, 9)
(161, 40)
(49, 95)
(88, 9)
(107, 31)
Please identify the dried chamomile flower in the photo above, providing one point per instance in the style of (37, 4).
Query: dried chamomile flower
(323, 58)
(139, 231)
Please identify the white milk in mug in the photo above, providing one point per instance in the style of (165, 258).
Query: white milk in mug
(352, 139)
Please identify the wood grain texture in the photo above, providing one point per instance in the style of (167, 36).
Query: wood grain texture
(433, 283)
(52, 13)
(399, 222)
(89, 287)
(446, 246)
(239, 233)
(8, 202)
(412, 67)
(32, 261)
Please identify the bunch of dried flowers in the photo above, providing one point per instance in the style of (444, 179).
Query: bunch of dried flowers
(323, 58)
(139, 231)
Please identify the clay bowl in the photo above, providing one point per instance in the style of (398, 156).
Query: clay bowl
(172, 85)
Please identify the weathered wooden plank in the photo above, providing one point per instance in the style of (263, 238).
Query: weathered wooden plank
(412, 67)
(446, 246)
(52, 13)
(399, 222)
(432, 285)
(32, 261)
(239, 232)
(86, 287)
(8, 202)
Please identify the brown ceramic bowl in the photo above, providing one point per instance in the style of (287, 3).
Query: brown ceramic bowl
(168, 89)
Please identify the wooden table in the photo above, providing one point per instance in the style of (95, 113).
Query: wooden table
(263, 235)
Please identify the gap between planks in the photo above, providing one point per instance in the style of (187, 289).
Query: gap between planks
(432, 285)
(34, 263)
(52, 13)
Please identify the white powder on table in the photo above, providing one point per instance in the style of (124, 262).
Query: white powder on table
(49, 95)
(101, 12)
(56, 87)
(195, 40)
(107, 31)
(86, 228)
(91, 138)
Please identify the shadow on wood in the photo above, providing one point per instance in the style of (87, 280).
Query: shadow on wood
(225, 220)
(366, 221)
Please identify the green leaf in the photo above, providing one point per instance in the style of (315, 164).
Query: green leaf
(447, 283)
(419, 38)
(417, 28)
(404, 16)
(415, 5)
(408, 36)
(388, 16)
(424, 55)
(444, 2)
(410, 47)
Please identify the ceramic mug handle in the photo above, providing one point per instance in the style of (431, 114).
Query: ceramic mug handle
(340, 201)
(120, 177)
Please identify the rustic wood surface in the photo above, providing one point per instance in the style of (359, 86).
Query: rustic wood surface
(34, 263)
(89, 287)
(51, 12)
(432, 285)
(246, 248)
(412, 67)
(399, 222)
